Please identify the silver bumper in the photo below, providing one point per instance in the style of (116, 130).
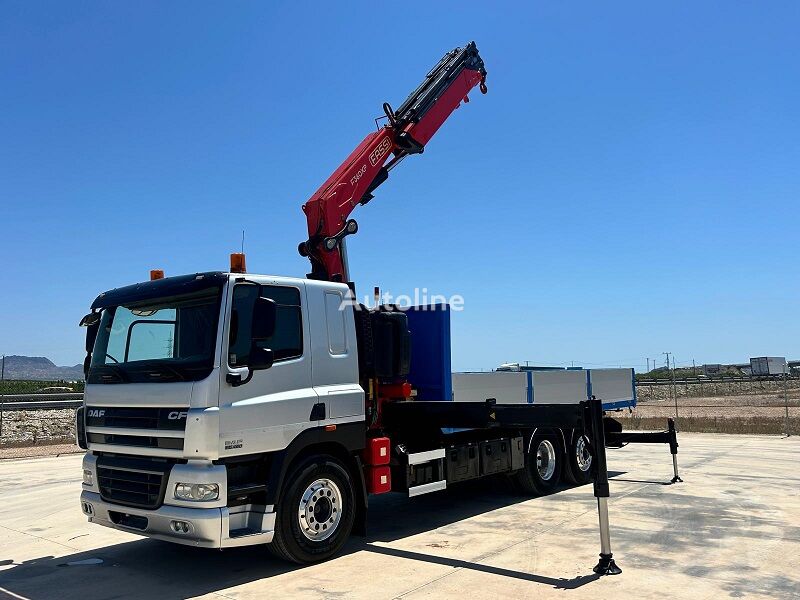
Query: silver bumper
(208, 527)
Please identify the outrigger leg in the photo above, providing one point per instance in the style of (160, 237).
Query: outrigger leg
(594, 419)
(673, 448)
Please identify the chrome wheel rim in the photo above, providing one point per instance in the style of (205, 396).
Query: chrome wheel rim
(583, 456)
(546, 460)
(320, 510)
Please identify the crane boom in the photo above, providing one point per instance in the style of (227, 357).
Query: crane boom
(407, 131)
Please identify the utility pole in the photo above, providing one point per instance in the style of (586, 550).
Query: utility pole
(786, 399)
(674, 391)
(648, 364)
(694, 369)
(2, 394)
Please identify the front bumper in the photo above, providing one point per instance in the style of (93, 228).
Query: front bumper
(209, 527)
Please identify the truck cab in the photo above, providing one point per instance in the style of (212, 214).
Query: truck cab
(188, 374)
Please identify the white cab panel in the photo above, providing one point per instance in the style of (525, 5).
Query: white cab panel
(334, 369)
(266, 413)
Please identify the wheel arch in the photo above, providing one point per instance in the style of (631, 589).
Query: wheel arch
(558, 433)
(344, 443)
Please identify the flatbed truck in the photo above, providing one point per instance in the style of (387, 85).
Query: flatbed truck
(225, 409)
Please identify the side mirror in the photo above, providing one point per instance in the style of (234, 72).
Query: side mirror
(260, 358)
(92, 324)
(264, 316)
(262, 328)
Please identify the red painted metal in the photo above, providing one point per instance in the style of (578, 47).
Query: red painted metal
(377, 451)
(329, 207)
(379, 479)
(396, 390)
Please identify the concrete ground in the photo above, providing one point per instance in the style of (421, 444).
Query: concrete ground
(731, 530)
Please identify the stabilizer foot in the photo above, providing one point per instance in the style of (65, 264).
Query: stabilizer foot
(676, 479)
(607, 566)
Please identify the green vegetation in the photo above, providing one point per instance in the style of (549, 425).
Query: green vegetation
(685, 372)
(23, 386)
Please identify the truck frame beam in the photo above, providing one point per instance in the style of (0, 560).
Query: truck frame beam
(586, 416)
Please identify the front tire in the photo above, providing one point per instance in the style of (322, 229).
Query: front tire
(542, 471)
(316, 512)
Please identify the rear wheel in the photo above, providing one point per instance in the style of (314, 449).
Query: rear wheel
(578, 460)
(315, 515)
(542, 470)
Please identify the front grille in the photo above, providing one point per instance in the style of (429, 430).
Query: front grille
(136, 420)
(173, 419)
(133, 481)
(138, 441)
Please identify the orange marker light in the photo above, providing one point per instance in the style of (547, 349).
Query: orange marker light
(237, 263)
(156, 274)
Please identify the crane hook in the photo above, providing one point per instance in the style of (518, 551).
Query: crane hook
(484, 89)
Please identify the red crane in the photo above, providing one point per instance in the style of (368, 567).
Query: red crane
(407, 131)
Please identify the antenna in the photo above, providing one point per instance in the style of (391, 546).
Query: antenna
(242, 241)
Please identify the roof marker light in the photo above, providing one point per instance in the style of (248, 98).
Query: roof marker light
(237, 263)
(156, 274)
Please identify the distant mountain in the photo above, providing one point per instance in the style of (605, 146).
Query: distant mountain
(39, 368)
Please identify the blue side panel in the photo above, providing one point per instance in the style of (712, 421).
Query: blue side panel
(616, 405)
(530, 387)
(430, 370)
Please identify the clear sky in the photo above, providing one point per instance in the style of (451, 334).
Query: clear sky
(629, 185)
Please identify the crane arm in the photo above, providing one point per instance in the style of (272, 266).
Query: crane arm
(407, 131)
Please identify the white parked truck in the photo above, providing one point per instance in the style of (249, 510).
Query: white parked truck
(225, 409)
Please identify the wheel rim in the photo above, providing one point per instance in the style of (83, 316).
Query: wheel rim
(546, 460)
(320, 510)
(582, 455)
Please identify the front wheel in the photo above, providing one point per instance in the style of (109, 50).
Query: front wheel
(542, 470)
(316, 514)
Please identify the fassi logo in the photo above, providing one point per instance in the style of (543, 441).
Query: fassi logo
(379, 152)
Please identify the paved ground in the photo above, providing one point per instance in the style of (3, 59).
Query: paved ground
(732, 530)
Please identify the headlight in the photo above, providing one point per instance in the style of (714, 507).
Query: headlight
(88, 478)
(196, 491)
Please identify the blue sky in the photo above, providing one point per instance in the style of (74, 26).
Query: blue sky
(627, 187)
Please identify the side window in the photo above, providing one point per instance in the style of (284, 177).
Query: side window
(285, 343)
(337, 343)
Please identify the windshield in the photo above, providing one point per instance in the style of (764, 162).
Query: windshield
(161, 339)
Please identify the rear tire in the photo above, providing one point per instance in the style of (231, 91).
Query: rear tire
(316, 512)
(543, 463)
(578, 461)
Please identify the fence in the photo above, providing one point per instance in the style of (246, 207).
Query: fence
(37, 424)
(745, 406)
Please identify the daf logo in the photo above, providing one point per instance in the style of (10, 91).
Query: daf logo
(175, 415)
(96, 413)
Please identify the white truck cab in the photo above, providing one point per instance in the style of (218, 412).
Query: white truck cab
(172, 392)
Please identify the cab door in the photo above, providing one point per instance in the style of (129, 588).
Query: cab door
(267, 412)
